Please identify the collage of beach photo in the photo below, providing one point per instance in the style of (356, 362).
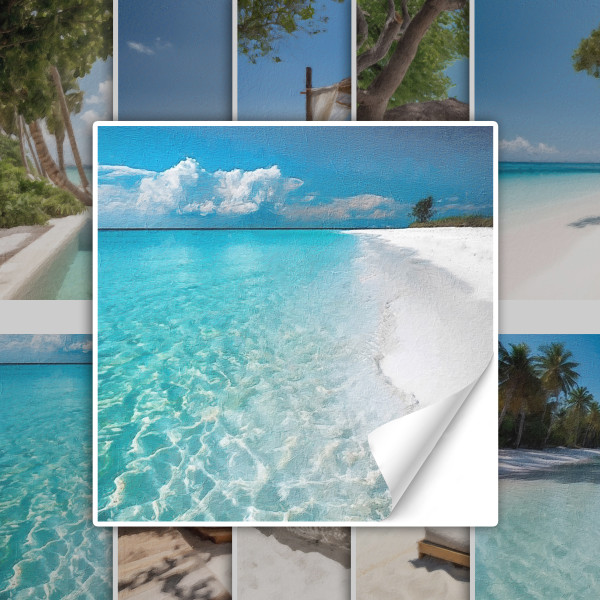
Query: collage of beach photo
(298, 299)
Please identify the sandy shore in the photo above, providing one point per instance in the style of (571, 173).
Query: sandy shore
(292, 566)
(170, 563)
(521, 462)
(550, 256)
(388, 568)
(439, 317)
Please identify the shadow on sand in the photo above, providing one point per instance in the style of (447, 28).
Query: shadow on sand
(581, 223)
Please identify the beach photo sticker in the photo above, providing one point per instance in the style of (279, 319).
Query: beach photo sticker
(293, 60)
(50, 547)
(273, 280)
(530, 81)
(549, 469)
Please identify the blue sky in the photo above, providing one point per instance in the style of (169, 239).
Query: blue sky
(459, 74)
(175, 60)
(525, 81)
(585, 349)
(45, 349)
(271, 91)
(294, 176)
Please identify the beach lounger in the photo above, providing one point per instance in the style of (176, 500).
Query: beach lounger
(446, 543)
(218, 535)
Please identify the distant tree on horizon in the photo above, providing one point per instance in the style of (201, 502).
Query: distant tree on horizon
(423, 211)
(587, 55)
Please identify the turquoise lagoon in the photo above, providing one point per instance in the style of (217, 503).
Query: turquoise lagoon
(528, 190)
(546, 542)
(49, 547)
(239, 375)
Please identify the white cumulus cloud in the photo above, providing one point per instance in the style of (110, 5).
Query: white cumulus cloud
(521, 145)
(104, 95)
(187, 188)
(89, 117)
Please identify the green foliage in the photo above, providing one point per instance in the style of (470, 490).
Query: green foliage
(587, 55)
(458, 221)
(36, 34)
(262, 23)
(28, 202)
(423, 211)
(446, 41)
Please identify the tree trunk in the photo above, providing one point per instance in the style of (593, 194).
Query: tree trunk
(54, 173)
(36, 162)
(22, 145)
(59, 136)
(521, 426)
(85, 184)
(502, 415)
(378, 95)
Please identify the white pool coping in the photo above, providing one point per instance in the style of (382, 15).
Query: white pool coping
(19, 271)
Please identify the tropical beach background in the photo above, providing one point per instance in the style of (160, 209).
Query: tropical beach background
(170, 563)
(174, 60)
(276, 44)
(413, 60)
(390, 566)
(549, 495)
(306, 562)
(245, 400)
(54, 84)
(50, 547)
(536, 75)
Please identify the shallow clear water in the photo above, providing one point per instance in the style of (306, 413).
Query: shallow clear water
(238, 376)
(69, 277)
(528, 190)
(49, 547)
(546, 543)
(77, 284)
(73, 174)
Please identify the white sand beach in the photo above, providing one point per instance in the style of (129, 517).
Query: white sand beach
(439, 326)
(271, 567)
(388, 568)
(550, 256)
(521, 462)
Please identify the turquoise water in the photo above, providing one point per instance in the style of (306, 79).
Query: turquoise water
(49, 547)
(528, 190)
(238, 376)
(69, 277)
(546, 543)
(73, 174)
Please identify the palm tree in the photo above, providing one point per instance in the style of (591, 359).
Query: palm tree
(557, 373)
(556, 369)
(516, 375)
(579, 402)
(520, 391)
(592, 431)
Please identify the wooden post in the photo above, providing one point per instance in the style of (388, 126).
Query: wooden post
(309, 114)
